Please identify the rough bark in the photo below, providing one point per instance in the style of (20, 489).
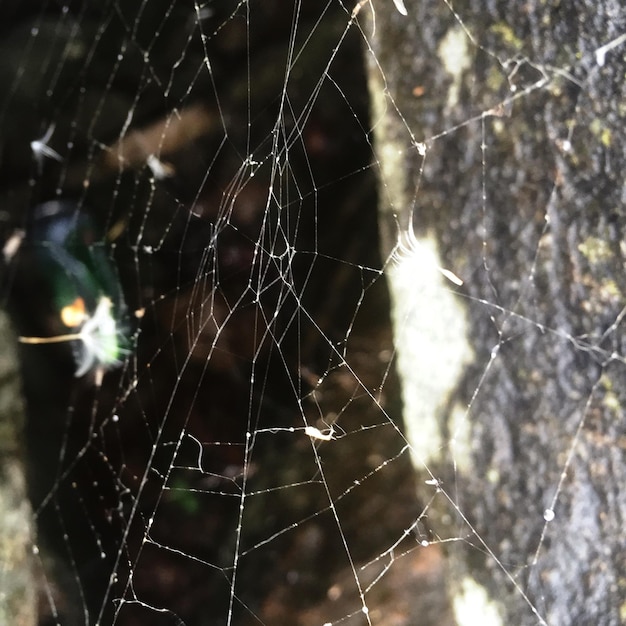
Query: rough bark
(535, 330)
(17, 597)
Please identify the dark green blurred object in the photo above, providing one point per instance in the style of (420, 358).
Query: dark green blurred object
(87, 295)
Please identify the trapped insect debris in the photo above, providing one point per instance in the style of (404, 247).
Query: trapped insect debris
(86, 292)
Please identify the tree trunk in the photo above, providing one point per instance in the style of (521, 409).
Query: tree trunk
(18, 597)
(500, 140)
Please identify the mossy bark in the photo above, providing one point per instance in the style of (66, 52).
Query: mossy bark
(500, 138)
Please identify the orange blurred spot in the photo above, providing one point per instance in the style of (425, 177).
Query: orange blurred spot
(73, 314)
(419, 91)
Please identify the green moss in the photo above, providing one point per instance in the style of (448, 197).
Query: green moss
(495, 79)
(603, 133)
(595, 250)
(610, 289)
(507, 35)
(611, 401)
(493, 476)
(606, 382)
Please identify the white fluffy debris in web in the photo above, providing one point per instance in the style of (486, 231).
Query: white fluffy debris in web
(400, 6)
(159, 169)
(315, 433)
(408, 246)
(12, 245)
(41, 149)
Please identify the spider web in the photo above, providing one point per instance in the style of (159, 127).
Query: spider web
(265, 453)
